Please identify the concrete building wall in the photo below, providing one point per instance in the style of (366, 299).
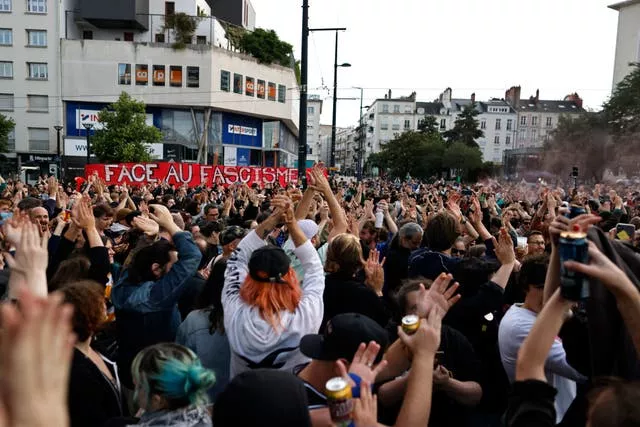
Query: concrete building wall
(627, 40)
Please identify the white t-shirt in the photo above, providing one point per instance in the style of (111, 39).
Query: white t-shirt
(514, 328)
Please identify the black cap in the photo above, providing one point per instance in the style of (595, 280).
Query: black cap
(342, 336)
(269, 264)
(232, 233)
(263, 397)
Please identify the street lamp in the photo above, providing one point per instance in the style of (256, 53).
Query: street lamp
(58, 128)
(335, 102)
(88, 127)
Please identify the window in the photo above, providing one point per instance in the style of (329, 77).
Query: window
(549, 122)
(311, 110)
(523, 134)
(407, 124)
(396, 108)
(443, 124)
(193, 76)
(385, 108)
(159, 75)
(407, 109)
(6, 70)
(272, 91)
(128, 36)
(6, 36)
(395, 126)
(237, 83)
(483, 124)
(87, 35)
(37, 38)
(38, 103)
(6, 101)
(250, 86)
(496, 139)
(534, 135)
(534, 121)
(384, 126)
(282, 93)
(142, 74)
(37, 6)
(509, 124)
(261, 89)
(175, 76)
(38, 139)
(38, 70)
(201, 39)
(507, 140)
(124, 74)
(523, 120)
(225, 81)
(169, 8)
(5, 5)
(498, 124)
(11, 141)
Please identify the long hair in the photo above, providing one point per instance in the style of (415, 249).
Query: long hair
(273, 298)
(344, 255)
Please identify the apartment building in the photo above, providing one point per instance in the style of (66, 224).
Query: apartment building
(627, 39)
(314, 143)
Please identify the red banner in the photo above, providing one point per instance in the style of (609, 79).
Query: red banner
(190, 173)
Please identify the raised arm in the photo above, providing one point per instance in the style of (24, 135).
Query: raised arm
(319, 181)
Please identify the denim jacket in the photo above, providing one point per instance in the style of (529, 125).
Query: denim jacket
(147, 313)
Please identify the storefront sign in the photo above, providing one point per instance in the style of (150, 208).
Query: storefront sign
(230, 156)
(91, 117)
(242, 130)
(191, 174)
(75, 147)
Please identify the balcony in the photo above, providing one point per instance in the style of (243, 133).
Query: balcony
(115, 14)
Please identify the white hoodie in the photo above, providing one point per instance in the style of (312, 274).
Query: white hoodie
(251, 338)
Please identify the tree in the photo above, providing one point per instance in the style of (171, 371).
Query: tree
(622, 111)
(412, 153)
(462, 158)
(125, 135)
(466, 128)
(429, 126)
(184, 27)
(266, 47)
(6, 126)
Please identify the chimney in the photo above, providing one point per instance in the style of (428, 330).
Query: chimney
(512, 96)
(473, 97)
(575, 98)
(389, 93)
(537, 95)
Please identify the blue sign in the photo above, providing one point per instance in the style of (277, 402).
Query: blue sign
(243, 156)
(78, 113)
(241, 130)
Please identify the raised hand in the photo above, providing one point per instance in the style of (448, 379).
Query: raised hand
(82, 214)
(362, 364)
(162, 216)
(365, 409)
(426, 340)
(504, 247)
(440, 294)
(374, 272)
(147, 225)
(12, 228)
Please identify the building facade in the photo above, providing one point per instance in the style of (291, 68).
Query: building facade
(314, 143)
(29, 84)
(82, 54)
(538, 118)
(627, 39)
(388, 117)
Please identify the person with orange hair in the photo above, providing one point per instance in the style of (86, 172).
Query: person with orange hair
(266, 311)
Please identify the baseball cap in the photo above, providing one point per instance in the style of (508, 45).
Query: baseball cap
(342, 336)
(263, 397)
(269, 264)
(232, 233)
(308, 227)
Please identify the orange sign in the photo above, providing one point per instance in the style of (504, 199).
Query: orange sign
(142, 74)
(261, 89)
(175, 76)
(159, 75)
(250, 86)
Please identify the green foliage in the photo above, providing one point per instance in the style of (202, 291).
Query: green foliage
(623, 109)
(266, 47)
(423, 155)
(184, 26)
(466, 128)
(125, 135)
(462, 158)
(429, 126)
(6, 126)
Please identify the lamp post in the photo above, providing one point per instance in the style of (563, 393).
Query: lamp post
(58, 128)
(88, 127)
(335, 102)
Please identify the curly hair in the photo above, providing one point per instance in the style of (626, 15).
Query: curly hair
(89, 310)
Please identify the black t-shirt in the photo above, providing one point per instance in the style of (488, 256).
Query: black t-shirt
(316, 398)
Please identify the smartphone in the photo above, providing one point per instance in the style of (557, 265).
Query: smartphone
(625, 231)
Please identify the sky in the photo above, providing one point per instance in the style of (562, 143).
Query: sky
(481, 46)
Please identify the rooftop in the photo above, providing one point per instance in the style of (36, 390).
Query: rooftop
(550, 106)
(623, 4)
(430, 108)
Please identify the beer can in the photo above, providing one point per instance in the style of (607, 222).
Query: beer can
(410, 324)
(340, 401)
(575, 211)
(573, 247)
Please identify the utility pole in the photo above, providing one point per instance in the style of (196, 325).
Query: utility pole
(302, 125)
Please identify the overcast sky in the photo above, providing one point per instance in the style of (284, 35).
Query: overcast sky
(481, 46)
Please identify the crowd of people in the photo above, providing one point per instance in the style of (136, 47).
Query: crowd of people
(163, 305)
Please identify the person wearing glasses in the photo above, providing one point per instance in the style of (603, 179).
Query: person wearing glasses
(459, 249)
(535, 243)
